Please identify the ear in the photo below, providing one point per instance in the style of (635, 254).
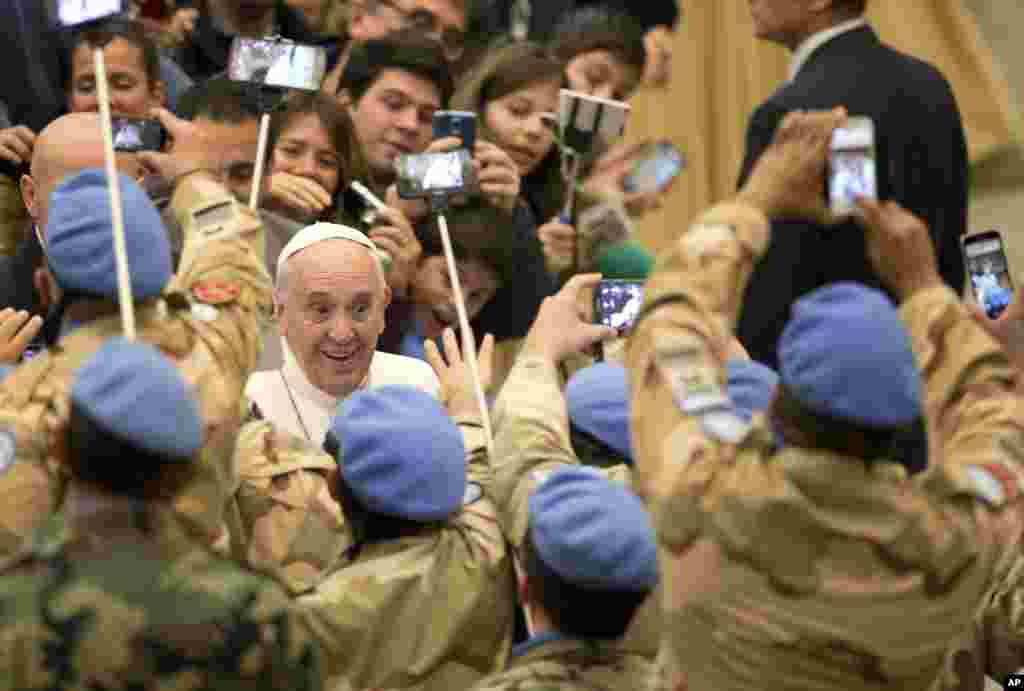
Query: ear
(28, 196)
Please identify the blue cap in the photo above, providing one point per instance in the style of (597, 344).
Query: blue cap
(598, 401)
(845, 354)
(80, 240)
(400, 453)
(751, 386)
(593, 533)
(134, 392)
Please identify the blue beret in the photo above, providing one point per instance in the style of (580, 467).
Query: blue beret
(845, 354)
(751, 386)
(80, 240)
(598, 401)
(593, 533)
(400, 453)
(132, 391)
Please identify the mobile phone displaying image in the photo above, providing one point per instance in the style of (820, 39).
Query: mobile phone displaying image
(137, 134)
(277, 63)
(989, 271)
(657, 165)
(431, 174)
(78, 12)
(852, 166)
(617, 303)
(583, 119)
(456, 123)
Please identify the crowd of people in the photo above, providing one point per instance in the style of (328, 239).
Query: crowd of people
(798, 466)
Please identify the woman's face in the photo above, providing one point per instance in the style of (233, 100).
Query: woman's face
(304, 149)
(516, 121)
(131, 92)
(600, 73)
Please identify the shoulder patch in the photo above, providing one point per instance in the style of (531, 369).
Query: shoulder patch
(216, 292)
(8, 449)
(473, 494)
(987, 485)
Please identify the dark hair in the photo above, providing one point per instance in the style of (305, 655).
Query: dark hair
(594, 27)
(854, 7)
(593, 452)
(574, 610)
(334, 119)
(221, 100)
(840, 436)
(131, 31)
(403, 50)
(507, 68)
(479, 230)
(100, 458)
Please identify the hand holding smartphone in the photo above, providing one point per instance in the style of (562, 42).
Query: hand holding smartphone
(656, 166)
(456, 123)
(435, 174)
(852, 166)
(617, 304)
(989, 272)
(137, 134)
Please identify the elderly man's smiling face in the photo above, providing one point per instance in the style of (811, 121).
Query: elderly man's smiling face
(332, 297)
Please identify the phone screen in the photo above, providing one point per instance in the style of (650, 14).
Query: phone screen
(76, 12)
(423, 175)
(279, 64)
(137, 134)
(453, 123)
(852, 170)
(617, 303)
(655, 170)
(989, 272)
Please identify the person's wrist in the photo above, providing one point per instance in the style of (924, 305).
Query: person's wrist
(538, 348)
(914, 283)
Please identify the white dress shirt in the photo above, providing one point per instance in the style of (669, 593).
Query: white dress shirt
(810, 44)
(288, 400)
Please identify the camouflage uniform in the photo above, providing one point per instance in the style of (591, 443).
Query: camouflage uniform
(14, 218)
(109, 606)
(290, 521)
(209, 324)
(432, 610)
(803, 568)
(564, 664)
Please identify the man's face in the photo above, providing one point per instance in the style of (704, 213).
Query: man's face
(236, 148)
(441, 20)
(781, 21)
(600, 73)
(434, 301)
(131, 92)
(395, 117)
(332, 313)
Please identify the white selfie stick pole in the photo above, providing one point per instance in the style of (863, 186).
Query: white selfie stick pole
(261, 155)
(469, 345)
(124, 284)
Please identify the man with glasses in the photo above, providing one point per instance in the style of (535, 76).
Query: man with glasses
(443, 21)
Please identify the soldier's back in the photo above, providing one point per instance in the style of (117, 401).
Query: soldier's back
(121, 610)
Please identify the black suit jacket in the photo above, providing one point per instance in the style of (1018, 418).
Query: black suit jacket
(922, 164)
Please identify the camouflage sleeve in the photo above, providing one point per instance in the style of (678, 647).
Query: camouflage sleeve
(676, 357)
(531, 439)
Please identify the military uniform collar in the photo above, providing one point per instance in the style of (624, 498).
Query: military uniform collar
(558, 644)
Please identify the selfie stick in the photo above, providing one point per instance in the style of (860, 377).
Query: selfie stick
(469, 344)
(124, 285)
(261, 154)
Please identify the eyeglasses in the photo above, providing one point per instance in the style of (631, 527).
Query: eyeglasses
(453, 41)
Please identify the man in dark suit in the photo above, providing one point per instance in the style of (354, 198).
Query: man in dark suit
(920, 151)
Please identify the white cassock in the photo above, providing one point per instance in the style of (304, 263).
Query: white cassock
(288, 400)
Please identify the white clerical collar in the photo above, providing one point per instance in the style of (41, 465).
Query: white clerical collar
(812, 43)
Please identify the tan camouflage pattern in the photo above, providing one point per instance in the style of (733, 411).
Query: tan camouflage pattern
(14, 218)
(531, 441)
(291, 523)
(799, 568)
(103, 605)
(571, 665)
(215, 357)
(431, 611)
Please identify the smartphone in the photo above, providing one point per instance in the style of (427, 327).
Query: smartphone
(456, 123)
(277, 63)
(617, 303)
(989, 271)
(852, 166)
(137, 134)
(432, 174)
(657, 165)
(583, 119)
(78, 12)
